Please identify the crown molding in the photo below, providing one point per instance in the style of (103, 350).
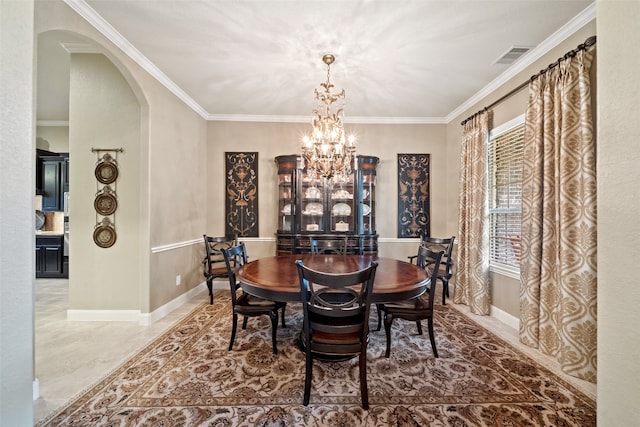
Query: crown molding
(79, 48)
(91, 16)
(570, 28)
(53, 123)
(306, 119)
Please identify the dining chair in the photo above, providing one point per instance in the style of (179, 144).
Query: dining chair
(213, 265)
(336, 318)
(245, 304)
(445, 270)
(329, 246)
(416, 309)
(420, 261)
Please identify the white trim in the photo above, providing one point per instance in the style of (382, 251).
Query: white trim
(398, 240)
(505, 270)
(570, 28)
(146, 319)
(505, 317)
(36, 389)
(103, 315)
(172, 246)
(256, 239)
(178, 245)
(505, 127)
(348, 119)
(79, 48)
(60, 123)
(143, 319)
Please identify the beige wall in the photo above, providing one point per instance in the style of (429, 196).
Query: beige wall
(103, 113)
(618, 213)
(53, 138)
(274, 139)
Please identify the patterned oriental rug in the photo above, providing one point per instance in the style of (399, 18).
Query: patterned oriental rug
(186, 377)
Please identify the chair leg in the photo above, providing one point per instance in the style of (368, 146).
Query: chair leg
(379, 310)
(244, 322)
(364, 393)
(210, 286)
(233, 330)
(274, 330)
(445, 290)
(432, 337)
(284, 307)
(419, 325)
(388, 319)
(307, 377)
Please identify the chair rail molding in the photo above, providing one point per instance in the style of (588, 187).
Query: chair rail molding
(198, 241)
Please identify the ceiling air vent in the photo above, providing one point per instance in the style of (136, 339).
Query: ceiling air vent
(513, 54)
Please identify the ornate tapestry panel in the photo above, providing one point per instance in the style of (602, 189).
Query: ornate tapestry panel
(241, 207)
(413, 195)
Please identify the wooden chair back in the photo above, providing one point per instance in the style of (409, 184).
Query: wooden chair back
(213, 266)
(336, 318)
(234, 257)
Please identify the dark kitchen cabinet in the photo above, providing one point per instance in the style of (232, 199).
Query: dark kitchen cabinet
(54, 181)
(50, 262)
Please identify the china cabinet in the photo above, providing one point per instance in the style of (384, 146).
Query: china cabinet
(326, 208)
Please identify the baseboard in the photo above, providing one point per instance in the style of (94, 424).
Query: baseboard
(147, 319)
(103, 315)
(36, 389)
(144, 319)
(505, 317)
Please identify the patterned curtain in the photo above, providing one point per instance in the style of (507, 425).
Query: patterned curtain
(558, 264)
(472, 277)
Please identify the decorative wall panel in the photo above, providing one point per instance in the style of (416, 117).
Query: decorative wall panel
(241, 207)
(413, 195)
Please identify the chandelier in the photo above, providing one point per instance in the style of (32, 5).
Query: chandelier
(327, 153)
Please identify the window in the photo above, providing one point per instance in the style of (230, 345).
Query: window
(504, 167)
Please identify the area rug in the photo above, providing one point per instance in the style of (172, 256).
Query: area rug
(186, 377)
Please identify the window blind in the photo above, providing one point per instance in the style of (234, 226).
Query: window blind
(505, 159)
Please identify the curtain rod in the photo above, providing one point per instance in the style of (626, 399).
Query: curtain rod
(587, 43)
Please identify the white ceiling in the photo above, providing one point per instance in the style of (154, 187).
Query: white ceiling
(398, 61)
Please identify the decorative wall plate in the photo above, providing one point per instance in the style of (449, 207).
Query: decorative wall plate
(104, 234)
(106, 202)
(366, 210)
(106, 172)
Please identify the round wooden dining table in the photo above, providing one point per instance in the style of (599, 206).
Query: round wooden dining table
(276, 277)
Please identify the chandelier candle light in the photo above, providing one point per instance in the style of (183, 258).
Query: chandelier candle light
(326, 152)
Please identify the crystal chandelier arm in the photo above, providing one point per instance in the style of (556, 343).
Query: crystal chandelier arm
(326, 152)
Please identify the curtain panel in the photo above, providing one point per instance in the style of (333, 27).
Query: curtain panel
(558, 263)
(472, 277)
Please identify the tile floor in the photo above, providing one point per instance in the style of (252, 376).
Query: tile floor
(71, 356)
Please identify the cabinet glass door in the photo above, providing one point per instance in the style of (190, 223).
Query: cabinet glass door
(286, 206)
(313, 196)
(368, 210)
(341, 202)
